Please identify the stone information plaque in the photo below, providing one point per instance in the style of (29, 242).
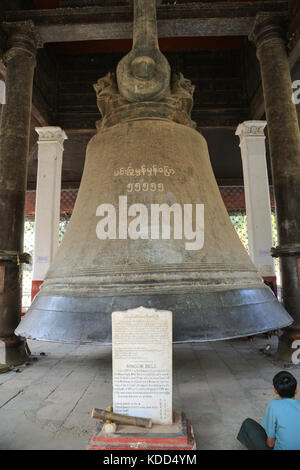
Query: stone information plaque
(142, 364)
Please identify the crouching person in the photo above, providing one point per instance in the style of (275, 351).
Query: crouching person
(280, 429)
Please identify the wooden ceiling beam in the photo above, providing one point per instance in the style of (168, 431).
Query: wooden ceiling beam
(115, 22)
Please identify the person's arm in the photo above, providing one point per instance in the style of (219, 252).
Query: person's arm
(270, 442)
(269, 425)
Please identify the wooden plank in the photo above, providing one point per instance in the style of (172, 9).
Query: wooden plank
(166, 29)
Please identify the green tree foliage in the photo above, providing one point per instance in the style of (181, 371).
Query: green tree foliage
(29, 235)
(240, 224)
(62, 229)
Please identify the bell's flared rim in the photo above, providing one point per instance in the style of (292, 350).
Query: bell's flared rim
(197, 317)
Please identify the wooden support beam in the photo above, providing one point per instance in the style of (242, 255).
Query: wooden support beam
(115, 22)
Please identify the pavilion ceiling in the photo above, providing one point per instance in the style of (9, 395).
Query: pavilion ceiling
(194, 19)
(205, 40)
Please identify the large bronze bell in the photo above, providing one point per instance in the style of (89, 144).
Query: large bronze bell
(119, 252)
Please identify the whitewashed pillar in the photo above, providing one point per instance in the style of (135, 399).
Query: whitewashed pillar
(257, 195)
(47, 205)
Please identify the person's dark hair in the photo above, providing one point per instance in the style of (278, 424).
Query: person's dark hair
(285, 384)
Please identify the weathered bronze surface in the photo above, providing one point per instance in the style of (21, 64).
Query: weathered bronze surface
(149, 152)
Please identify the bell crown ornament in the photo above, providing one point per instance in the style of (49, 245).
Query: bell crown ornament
(149, 227)
(144, 73)
(176, 106)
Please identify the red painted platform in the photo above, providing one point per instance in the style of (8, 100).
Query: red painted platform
(35, 287)
(176, 436)
(272, 283)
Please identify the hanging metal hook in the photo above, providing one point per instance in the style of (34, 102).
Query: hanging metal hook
(144, 73)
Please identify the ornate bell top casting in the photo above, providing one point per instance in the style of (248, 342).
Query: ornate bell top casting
(176, 105)
(143, 86)
(144, 73)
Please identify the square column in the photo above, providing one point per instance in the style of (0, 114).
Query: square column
(257, 195)
(47, 206)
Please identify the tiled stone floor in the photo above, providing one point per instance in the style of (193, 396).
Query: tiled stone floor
(47, 405)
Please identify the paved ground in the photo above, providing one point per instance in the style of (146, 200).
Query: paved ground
(47, 405)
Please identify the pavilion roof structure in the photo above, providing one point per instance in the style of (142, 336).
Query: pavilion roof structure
(82, 40)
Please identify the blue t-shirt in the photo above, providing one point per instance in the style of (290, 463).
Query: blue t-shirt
(282, 423)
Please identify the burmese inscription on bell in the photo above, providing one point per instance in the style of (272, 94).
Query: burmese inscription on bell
(142, 363)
